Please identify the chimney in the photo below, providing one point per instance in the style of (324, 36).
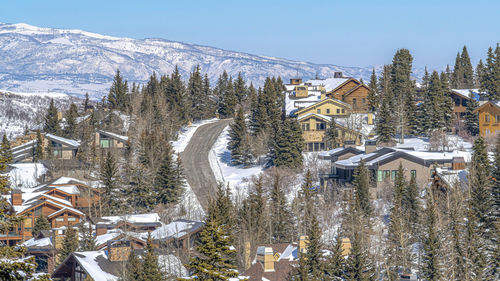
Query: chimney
(346, 246)
(16, 197)
(349, 143)
(118, 250)
(370, 146)
(303, 242)
(370, 118)
(266, 258)
(337, 74)
(101, 229)
(458, 163)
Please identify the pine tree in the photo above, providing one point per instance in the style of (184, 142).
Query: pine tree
(41, 223)
(358, 267)
(37, 150)
(288, 145)
(109, 179)
(240, 89)
(6, 153)
(280, 219)
(335, 265)
(117, 96)
(425, 80)
(252, 213)
(175, 93)
(384, 126)
(410, 203)
(471, 117)
(70, 126)
(479, 74)
(52, 120)
(373, 98)
(431, 260)
(361, 185)
(134, 268)
(490, 82)
(495, 189)
(86, 103)
(466, 67)
(139, 192)
(70, 243)
(168, 182)
(88, 240)
(196, 95)
(150, 268)
(306, 203)
(458, 74)
(332, 135)
(239, 143)
(214, 257)
(448, 104)
(314, 247)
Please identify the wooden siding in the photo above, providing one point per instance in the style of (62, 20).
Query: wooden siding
(489, 120)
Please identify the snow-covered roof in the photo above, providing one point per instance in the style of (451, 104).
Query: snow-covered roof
(171, 265)
(90, 262)
(315, 114)
(470, 93)
(37, 243)
(290, 253)
(114, 136)
(68, 142)
(452, 177)
(110, 235)
(176, 229)
(138, 218)
(329, 84)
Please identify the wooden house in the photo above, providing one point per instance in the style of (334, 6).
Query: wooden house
(489, 118)
(106, 140)
(61, 148)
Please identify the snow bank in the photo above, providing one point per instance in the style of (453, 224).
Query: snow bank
(186, 133)
(220, 162)
(26, 175)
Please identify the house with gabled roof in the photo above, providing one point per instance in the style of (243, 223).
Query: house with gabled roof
(61, 148)
(489, 118)
(106, 141)
(460, 99)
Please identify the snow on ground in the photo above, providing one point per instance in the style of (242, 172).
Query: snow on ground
(26, 175)
(186, 133)
(171, 265)
(220, 161)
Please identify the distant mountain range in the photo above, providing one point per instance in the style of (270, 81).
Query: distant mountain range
(35, 59)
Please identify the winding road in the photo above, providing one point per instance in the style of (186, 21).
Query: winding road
(195, 160)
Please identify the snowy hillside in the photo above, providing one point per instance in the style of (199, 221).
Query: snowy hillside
(74, 61)
(19, 111)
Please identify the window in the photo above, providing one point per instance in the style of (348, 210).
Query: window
(457, 102)
(319, 111)
(320, 126)
(27, 222)
(305, 127)
(343, 110)
(486, 117)
(497, 118)
(363, 100)
(379, 176)
(310, 147)
(413, 173)
(394, 174)
(354, 102)
(386, 174)
(322, 146)
(464, 102)
(327, 111)
(60, 219)
(338, 110)
(71, 219)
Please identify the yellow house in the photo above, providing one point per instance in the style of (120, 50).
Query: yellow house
(328, 107)
(489, 118)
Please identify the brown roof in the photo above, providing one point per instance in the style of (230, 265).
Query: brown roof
(282, 268)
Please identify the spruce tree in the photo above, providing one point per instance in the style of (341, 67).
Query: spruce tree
(479, 74)
(134, 268)
(466, 67)
(139, 192)
(214, 257)
(361, 185)
(175, 93)
(432, 256)
(335, 264)
(358, 266)
(384, 126)
(6, 153)
(240, 89)
(490, 82)
(109, 179)
(168, 182)
(425, 80)
(280, 219)
(86, 103)
(51, 120)
(288, 145)
(37, 149)
(306, 203)
(472, 118)
(117, 96)
(457, 81)
(41, 223)
(69, 244)
(495, 189)
(239, 142)
(196, 95)
(373, 98)
(314, 247)
(150, 268)
(410, 203)
(332, 135)
(70, 126)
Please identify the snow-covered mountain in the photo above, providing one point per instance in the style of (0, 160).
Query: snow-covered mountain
(37, 59)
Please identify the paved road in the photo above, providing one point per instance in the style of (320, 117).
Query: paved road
(195, 160)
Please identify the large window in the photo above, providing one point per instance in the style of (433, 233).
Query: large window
(105, 141)
(486, 117)
(394, 173)
(56, 149)
(305, 127)
(320, 126)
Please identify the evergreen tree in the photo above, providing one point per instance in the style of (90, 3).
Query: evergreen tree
(37, 150)
(425, 80)
(410, 203)
(117, 96)
(240, 89)
(373, 98)
(139, 193)
(335, 265)
(457, 81)
(6, 153)
(280, 219)
(70, 126)
(109, 179)
(471, 117)
(384, 126)
(175, 93)
(495, 189)
(361, 185)
(332, 135)
(358, 267)
(227, 96)
(134, 268)
(306, 199)
(69, 244)
(86, 103)
(431, 260)
(239, 143)
(41, 223)
(314, 247)
(490, 82)
(168, 182)
(214, 257)
(252, 213)
(479, 74)
(467, 70)
(88, 241)
(196, 95)
(52, 120)
(288, 145)
(448, 103)
(150, 268)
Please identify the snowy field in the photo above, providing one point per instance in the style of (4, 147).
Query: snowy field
(237, 177)
(26, 175)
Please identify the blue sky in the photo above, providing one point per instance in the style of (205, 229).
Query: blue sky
(350, 33)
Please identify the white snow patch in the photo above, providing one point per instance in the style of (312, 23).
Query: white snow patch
(186, 133)
(26, 175)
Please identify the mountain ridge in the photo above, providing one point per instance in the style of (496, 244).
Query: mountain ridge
(75, 61)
